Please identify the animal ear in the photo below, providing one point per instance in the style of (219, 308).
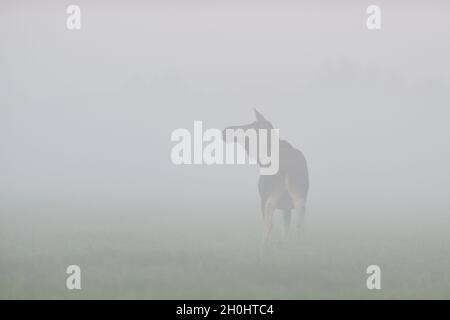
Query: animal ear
(259, 116)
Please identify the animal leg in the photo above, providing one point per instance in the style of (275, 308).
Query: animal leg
(300, 208)
(287, 222)
(298, 197)
(268, 218)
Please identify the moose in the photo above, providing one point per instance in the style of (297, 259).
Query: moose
(285, 190)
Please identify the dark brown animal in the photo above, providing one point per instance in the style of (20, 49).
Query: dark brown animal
(287, 189)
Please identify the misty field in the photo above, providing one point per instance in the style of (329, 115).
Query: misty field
(86, 176)
(189, 252)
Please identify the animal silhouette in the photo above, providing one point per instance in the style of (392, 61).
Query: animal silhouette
(287, 189)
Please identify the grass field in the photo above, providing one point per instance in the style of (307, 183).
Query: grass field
(179, 251)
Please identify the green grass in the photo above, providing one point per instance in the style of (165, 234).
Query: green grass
(195, 253)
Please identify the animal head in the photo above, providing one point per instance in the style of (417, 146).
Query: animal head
(259, 140)
(259, 123)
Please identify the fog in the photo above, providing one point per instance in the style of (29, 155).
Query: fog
(86, 117)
